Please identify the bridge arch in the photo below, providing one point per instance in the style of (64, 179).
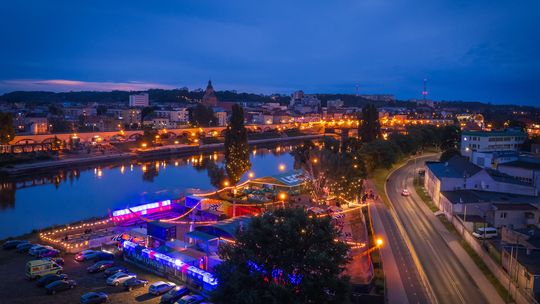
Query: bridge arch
(26, 141)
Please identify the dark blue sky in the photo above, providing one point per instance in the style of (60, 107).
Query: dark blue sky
(482, 50)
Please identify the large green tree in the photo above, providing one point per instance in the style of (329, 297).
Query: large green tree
(369, 128)
(236, 146)
(7, 131)
(333, 169)
(284, 256)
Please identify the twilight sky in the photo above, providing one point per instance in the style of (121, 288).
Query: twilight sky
(481, 50)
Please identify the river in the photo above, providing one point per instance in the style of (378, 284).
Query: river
(65, 196)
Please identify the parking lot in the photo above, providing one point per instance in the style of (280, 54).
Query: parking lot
(14, 288)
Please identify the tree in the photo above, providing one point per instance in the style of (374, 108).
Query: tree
(331, 169)
(7, 131)
(236, 146)
(284, 256)
(145, 112)
(370, 128)
(448, 154)
(450, 137)
(201, 115)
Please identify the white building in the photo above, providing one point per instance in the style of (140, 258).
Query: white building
(139, 100)
(459, 174)
(221, 116)
(495, 141)
(177, 115)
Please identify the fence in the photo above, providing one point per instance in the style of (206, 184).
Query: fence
(517, 293)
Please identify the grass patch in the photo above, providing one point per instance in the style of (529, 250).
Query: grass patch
(424, 196)
(476, 259)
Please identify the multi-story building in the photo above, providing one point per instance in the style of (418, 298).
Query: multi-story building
(177, 115)
(221, 117)
(73, 113)
(494, 141)
(459, 174)
(139, 100)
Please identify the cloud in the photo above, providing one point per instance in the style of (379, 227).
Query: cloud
(59, 85)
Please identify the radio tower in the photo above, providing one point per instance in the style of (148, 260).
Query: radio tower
(425, 92)
(357, 90)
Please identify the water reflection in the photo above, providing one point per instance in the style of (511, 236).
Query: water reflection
(68, 195)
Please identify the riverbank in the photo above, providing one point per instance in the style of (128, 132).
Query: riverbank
(44, 166)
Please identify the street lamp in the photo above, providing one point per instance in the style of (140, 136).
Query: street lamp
(251, 174)
(379, 242)
(282, 167)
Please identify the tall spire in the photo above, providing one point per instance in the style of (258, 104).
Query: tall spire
(209, 86)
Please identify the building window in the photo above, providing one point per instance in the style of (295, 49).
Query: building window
(503, 215)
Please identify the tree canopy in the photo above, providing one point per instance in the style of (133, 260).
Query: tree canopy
(369, 128)
(7, 131)
(236, 146)
(284, 256)
(202, 116)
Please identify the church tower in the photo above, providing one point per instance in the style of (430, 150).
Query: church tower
(209, 99)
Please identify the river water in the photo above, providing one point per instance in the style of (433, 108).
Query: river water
(70, 195)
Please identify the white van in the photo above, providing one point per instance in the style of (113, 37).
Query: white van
(487, 233)
(38, 268)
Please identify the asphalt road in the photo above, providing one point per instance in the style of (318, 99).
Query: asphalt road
(448, 279)
(405, 270)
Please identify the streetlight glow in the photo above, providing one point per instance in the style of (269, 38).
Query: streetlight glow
(282, 167)
(379, 242)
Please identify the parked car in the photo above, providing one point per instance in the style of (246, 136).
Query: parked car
(94, 298)
(119, 278)
(37, 248)
(47, 253)
(190, 299)
(174, 294)
(57, 260)
(160, 287)
(405, 192)
(37, 268)
(104, 256)
(61, 285)
(134, 283)
(115, 269)
(12, 244)
(100, 266)
(49, 278)
(86, 255)
(24, 247)
(485, 233)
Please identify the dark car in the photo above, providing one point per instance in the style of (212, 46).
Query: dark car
(112, 270)
(59, 261)
(12, 244)
(49, 253)
(100, 266)
(61, 285)
(94, 298)
(49, 278)
(24, 247)
(104, 256)
(134, 283)
(174, 294)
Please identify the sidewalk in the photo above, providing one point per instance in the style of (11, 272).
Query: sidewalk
(487, 289)
(394, 285)
(360, 268)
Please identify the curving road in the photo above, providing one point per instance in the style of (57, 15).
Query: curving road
(448, 279)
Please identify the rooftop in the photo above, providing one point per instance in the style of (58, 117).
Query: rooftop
(516, 207)
(522, 164)
(475, 196)
(456, 167)
(507, 132)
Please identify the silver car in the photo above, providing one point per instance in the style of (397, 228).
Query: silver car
(119, 278)
(160, 287)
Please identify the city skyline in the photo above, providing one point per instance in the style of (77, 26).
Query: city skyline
(479, 51)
